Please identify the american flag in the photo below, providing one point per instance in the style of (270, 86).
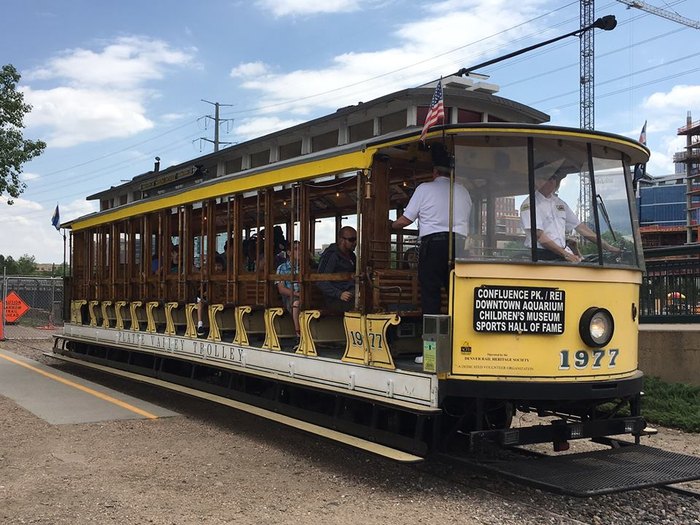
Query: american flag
(436, 112)
(643, 134)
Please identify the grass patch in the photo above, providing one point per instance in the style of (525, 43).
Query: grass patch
(672, 405)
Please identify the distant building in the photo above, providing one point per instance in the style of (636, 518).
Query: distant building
(669, 206)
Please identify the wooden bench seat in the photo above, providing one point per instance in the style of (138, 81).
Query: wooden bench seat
(398, 291)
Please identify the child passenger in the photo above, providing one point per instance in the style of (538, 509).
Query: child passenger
(289, 290)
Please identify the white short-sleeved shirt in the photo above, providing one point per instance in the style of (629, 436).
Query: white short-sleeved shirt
(554, 218)
(430, 204)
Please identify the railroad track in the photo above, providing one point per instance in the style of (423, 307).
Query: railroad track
(690, 493)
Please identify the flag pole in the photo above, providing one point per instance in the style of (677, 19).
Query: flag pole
(64, 253)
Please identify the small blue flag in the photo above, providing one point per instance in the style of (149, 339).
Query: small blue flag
(56, 219)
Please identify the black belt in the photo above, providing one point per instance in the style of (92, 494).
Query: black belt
(440, 236)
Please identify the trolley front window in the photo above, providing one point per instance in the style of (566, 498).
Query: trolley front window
(575, 193)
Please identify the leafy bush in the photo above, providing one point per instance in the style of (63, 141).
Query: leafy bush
(672, 405)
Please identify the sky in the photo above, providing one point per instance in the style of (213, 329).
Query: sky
(115, 84)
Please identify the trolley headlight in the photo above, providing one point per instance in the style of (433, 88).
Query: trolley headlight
(596, 327)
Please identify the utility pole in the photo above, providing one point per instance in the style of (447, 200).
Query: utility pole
(217, 122)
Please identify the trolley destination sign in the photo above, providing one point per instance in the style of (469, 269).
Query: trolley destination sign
(518, 310)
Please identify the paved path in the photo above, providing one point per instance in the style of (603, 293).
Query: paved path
(60, 398)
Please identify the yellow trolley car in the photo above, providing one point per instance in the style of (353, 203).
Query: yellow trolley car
(518, 332)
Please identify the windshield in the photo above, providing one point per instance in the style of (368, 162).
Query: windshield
(575, 194)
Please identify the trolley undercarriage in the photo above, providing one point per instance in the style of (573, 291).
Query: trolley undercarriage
(458, 415)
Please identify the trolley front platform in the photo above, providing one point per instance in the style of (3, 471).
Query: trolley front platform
(599, 472)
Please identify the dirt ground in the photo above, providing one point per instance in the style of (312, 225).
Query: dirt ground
(215, 465)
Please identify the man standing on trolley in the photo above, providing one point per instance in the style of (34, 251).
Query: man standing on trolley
(430, 205)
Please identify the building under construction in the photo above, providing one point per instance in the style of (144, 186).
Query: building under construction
(670, 206)
(690, 157)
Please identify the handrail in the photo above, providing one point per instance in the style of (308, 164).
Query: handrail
(370, 280)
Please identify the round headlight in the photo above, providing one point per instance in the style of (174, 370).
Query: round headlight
(596, 327)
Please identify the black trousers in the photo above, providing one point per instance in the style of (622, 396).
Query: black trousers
(433, 270)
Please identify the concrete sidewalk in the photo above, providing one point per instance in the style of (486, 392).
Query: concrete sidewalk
(60, 398)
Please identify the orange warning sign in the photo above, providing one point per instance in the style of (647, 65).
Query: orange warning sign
(15, 307)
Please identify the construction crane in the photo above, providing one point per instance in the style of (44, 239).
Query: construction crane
(587, 97)
(638, 4)
(587, 94)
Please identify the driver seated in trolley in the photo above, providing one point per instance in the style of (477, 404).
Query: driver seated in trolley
(554, 218)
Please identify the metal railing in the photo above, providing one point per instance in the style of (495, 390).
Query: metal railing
(670, 291)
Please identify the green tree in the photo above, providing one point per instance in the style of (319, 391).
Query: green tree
(15, 150)
(8, 265)
(26, 265)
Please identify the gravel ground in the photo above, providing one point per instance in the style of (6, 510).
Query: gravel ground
(214, 465)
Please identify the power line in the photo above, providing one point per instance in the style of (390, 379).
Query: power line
(125, 149)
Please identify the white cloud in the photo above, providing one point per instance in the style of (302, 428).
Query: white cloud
(127, 63)
(458, 22)
(680, 98)
(27, 176)
(28, 228)
(310, 7)
(75, 116)
(249, 69)
(173, 117)
(417, 58)
(665, 112)
(97, 95)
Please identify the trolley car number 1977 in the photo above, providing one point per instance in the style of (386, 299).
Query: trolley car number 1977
(585, 358)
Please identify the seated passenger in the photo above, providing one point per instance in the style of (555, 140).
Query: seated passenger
(155, 263)
(289, 290)
(250, 253)
(202, 300)
(174, 258)
(337, 258)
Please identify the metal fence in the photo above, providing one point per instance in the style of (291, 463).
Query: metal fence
(33, 306)
(670, 292)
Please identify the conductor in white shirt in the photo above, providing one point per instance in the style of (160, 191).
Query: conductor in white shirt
(554, 218)
(430, 205)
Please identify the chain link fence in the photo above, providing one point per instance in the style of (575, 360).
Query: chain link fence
(33, 306)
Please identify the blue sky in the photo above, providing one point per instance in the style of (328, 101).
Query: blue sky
(115, 84)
